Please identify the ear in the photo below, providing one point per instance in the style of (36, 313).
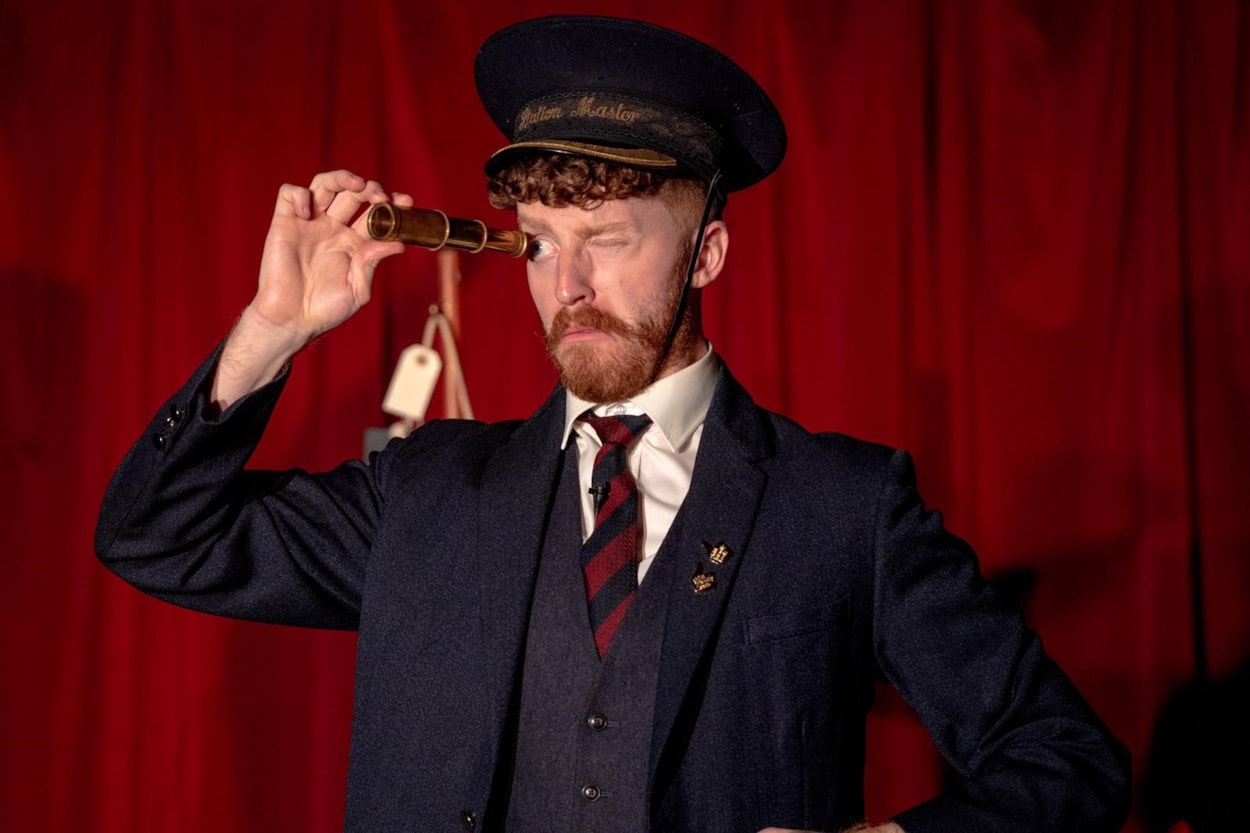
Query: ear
(712, 255)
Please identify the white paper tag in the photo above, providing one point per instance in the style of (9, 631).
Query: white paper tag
(413, 383)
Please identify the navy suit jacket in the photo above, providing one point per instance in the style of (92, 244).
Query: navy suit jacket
(836, 574)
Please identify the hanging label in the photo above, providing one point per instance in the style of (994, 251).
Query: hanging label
(413, 383)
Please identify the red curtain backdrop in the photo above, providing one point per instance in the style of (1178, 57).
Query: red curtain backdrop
(1009, 235)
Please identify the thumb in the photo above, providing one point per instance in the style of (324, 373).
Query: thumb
(373, 252)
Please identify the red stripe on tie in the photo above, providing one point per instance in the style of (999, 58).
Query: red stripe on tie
(607, 630)
(621, 489)
(611, 558)
(610, 555)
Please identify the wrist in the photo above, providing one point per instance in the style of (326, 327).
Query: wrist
(265, 340)
(256, 352)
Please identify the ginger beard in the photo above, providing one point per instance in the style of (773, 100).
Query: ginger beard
(599, 374)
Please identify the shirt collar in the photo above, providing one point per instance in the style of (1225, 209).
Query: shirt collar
(677, 404)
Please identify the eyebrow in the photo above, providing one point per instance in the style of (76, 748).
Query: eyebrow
(608, 228)
(585, 233)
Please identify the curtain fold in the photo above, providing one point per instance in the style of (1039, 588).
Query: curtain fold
(1008, 235)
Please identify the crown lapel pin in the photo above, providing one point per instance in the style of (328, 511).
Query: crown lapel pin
(717, 553)
(702, 581)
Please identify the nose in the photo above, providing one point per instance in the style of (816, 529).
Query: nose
(573, 282)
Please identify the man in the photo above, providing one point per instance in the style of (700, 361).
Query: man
(650, 606)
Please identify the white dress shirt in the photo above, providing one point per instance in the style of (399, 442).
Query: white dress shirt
(662, 461)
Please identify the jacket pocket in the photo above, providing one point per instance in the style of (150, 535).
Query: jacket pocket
(792, 623)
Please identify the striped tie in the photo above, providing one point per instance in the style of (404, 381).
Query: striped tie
(610, 554)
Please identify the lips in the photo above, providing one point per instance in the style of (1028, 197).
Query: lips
(575, 334)
(585, 324)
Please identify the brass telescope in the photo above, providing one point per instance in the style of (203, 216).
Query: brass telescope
(433, 229)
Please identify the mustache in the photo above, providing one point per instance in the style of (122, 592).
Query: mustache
(587, 317)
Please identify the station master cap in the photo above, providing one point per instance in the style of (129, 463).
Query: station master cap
(630, 93)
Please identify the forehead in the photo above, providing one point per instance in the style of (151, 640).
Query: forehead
(645, 215)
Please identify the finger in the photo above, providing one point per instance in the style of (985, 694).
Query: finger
(402, 200)
(293, 201)
(347, 203)
(343, 211)
(326, 186)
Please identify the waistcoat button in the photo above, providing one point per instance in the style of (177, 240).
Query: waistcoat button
(597, 722)
(590, 792)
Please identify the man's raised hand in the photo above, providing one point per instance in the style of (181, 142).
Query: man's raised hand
(316, 272)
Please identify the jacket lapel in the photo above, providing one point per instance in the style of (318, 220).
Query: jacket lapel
(719, 514)
(518, 486)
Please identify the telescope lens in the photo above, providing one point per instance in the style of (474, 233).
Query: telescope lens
(381, 222)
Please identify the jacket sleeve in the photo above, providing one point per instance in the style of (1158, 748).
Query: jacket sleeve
(183, 520)
(1032, 754)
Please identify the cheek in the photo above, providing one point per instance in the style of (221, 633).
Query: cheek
(542, 296)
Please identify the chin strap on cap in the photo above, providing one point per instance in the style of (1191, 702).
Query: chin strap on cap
(680, 313)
